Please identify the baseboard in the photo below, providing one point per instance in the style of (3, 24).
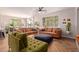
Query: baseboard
(69, 37)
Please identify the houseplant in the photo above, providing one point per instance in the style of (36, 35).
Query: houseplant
(68, 26)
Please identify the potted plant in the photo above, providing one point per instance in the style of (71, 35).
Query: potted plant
(68, 26)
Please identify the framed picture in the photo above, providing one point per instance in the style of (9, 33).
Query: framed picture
(64, 21)
(68, 20)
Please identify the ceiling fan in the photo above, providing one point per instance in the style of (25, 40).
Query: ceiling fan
(41, 9)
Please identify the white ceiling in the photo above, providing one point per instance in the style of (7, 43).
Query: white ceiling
(25, 12)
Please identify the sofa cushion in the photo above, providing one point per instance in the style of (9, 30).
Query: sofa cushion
(22, 29)
(54, 31)
(46, 29)
(34, 29)
(49, 30)
(29, 29)
(42, 29)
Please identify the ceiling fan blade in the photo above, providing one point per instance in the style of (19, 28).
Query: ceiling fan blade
(40, 8)
(44, 10)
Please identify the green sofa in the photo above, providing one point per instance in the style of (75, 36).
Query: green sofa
(19, 42)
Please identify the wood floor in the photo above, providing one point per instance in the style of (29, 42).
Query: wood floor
(57, 45)
(62, 45)
(4, 44)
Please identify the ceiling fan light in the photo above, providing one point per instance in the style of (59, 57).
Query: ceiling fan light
(39, 12)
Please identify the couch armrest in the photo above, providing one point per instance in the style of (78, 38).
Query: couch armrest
(77, 38)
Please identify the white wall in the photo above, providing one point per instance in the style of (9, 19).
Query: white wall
(78, 21)
(4, 20)
(69, 13)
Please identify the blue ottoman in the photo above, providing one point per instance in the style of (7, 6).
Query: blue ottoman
(44, 37)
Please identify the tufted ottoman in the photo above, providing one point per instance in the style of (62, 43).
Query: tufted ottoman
(44, 37)
(35, 46)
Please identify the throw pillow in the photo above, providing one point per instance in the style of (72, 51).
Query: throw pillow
(33, 29)
(42, 29)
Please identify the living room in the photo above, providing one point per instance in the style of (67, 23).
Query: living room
(48, 29)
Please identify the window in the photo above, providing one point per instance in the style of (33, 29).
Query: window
(15, 22)
(29, 23)
(50, 21)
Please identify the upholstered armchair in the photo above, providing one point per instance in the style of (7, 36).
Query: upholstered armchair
(22, 43)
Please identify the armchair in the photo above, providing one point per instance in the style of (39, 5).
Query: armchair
(16, 44)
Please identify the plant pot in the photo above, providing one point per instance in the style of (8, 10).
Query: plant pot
(68, 32)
